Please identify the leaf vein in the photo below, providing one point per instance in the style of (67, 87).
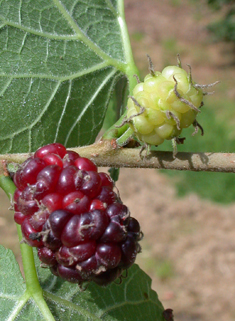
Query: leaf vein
(47, 50)
(71, 305)
(83, 36)
(36, 32)
(39, 21)
(127, 302)
(73, 6)
(18, 307)
(52, 283)
(20, 5)
(64, 109)
(4, 88)
(59, 78)
(88, 104)
(23, 42)
(111, 7)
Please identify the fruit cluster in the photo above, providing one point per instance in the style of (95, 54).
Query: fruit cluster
(71, 213)
(163, 105)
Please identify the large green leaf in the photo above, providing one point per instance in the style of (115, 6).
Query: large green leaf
(59, 61)
(133, 300)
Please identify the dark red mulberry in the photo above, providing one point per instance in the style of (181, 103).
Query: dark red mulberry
(72, 214)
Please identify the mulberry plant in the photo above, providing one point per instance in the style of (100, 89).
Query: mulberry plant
(62, 64)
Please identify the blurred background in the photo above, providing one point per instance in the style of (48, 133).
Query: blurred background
(188, 218)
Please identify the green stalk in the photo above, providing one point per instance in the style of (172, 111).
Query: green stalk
(130, 70)
(31, 278)
(115, 131)
(124, 139)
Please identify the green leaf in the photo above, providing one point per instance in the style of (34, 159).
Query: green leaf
(59, 61)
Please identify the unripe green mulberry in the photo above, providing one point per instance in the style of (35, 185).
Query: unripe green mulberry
(163, 104)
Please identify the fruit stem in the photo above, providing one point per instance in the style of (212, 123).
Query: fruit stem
(31, 278)
(131, 72)
(32, 284)
(116, 131)
(131, 68)
(122, 134)
(124, 139)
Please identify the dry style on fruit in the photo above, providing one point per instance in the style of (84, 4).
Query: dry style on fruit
(72, 214)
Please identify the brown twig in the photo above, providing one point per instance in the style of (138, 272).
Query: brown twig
(106, 154)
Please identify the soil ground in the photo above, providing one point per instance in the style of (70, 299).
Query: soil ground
(189, 243)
